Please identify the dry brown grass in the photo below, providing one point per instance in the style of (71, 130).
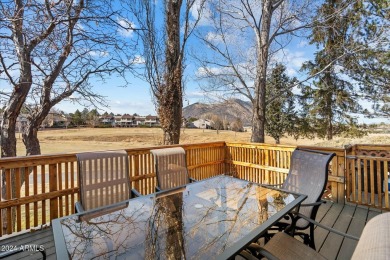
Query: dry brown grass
(90, 139)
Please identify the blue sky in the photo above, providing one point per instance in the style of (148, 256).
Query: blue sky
(136, 96)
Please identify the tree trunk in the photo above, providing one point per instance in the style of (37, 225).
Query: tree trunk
(8, 137)
(259, 106)
(170, 95)
(8, 144)
(328, 105)
(30, 138)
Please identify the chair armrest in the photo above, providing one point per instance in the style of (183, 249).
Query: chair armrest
(192, 180)
(135, 193)
(313, 204)
(328, 228)
(78, 207)
(272, 185)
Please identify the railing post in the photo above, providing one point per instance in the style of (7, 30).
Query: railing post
(341, 173)
(136, 185)
(53, 186)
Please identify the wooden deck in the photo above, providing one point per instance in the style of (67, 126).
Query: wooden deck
(349, 219)
(346, 218)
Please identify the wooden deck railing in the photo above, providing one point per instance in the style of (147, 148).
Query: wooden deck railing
(51, 182)
(266, 163)
(367, 173)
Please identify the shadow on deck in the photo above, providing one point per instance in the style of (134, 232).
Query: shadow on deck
(346, 218)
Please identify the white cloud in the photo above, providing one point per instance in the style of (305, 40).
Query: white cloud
(195, 94)
(131, 107)
(127, 27)
(292, 59)
(204, 12)
(138, 59)
(204, 71)
(143, 107)
(214, 38)
(291, 72)
(99, 53)
(303, 43)
(80, 27)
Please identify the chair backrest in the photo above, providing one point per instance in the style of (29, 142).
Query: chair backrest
(104, 178)
(170, 166)
(308, 175)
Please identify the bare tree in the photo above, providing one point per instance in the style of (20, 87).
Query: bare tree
(237, 125)
(164, 52)
(50, 51)
(245, 36)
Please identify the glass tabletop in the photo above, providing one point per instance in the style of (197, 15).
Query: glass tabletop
(206, 219)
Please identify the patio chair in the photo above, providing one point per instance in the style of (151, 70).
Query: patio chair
(374, 243)
(308, 175)
(171, 168)
(104, 179)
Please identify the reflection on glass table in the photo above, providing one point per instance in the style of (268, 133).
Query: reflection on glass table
(214, 218)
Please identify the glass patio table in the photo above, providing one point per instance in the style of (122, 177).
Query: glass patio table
(211, 219)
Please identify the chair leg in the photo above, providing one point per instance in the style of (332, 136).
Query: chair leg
(311, 239)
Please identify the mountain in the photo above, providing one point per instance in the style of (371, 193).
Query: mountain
(229, 109)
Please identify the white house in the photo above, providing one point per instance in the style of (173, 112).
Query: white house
(203, 124)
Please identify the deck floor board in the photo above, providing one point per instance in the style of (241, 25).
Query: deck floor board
(329, 219)
(355, 228)
(332, 243)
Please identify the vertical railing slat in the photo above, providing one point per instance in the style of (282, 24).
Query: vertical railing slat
(53, 187)
(27, 193)
(17, 195)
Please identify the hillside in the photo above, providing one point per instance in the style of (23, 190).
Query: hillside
(229, 109)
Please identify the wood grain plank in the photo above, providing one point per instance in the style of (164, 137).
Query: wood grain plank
(355, 228)
(333, 242)
(329, 219)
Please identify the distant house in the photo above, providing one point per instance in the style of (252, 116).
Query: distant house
(152, 120)
(21, 122)
(56, 120)
(125, 121)
(107, 120)
(128, 120)
(202, 124)
(139, 120)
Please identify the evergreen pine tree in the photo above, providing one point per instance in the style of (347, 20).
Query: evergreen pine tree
(280, 113)
(331, 96)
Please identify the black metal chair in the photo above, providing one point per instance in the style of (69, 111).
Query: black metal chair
(308, 175)
(104, 179)
(171, 168)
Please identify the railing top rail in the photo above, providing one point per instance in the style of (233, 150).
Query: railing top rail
(321, 148)
(371, 146)
(33, 160)
(260, 145)
(367, 157)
